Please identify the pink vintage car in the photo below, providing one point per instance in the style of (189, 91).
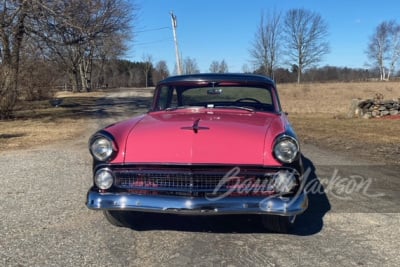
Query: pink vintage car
(211, 144)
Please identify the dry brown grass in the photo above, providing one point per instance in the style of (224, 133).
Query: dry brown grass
(20, 134)
(38, 123)
(318, 113)
(331, 98)
(68, 94)
(371, 139)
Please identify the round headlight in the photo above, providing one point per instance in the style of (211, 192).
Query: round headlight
(102, 148)
(103, 178)
(286, 149)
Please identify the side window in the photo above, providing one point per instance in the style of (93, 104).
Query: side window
(163, 98)
(174, 100)
(167, 98)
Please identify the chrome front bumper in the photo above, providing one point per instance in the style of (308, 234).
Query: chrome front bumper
(174, 204)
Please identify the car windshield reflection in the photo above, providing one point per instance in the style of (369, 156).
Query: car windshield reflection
(226, 97)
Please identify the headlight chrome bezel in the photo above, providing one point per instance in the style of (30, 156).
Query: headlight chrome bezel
(104, 178)
(286, 149)
(103, 147)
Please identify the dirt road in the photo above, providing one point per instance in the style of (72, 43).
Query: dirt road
(353, 218)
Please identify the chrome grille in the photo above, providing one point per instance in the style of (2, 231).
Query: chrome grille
(205, 182)
(185, 181)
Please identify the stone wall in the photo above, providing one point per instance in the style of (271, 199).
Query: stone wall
(374, 108)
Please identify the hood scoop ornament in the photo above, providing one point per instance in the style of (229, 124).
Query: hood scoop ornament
(195, 127)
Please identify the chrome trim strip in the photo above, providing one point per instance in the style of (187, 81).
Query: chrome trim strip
(197, 206)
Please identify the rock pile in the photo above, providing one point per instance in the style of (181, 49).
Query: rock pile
(377, 107)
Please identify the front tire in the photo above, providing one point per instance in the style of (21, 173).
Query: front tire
(278, 224)
(116, 218)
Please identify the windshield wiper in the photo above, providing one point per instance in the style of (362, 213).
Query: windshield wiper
(237, 107)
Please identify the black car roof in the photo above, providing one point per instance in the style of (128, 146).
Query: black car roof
(217, 77)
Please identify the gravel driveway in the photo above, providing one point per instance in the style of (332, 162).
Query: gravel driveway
(353, 219)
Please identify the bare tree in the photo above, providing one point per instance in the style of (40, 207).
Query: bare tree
(246, 68)
(219, 67)
(190, 66)
(148, 66)
(160, 71)
(12, 20)
(38, 74)
(223, 67)
(110, 49)
(305, 37)
(265, 49)
(214, 67)
(384, 48)
(76, 30)
(394, 50)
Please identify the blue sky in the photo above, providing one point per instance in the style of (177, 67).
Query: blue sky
(211, 30)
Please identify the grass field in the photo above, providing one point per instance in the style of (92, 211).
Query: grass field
(332, 98)
(317, 111)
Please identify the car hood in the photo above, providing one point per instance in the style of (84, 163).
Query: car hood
(203, 137)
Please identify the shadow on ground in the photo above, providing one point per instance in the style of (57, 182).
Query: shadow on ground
(86, 107)
(8, 136)
(107, 107)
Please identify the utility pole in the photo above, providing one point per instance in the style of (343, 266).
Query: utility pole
(178, 60)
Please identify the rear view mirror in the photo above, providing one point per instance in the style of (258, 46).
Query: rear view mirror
(214, 91)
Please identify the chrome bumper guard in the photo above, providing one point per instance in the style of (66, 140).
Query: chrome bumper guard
(189, 205)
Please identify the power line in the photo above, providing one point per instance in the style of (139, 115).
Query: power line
(152, 30)
(151, 42)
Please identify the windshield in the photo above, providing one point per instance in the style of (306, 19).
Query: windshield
(242, 97)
